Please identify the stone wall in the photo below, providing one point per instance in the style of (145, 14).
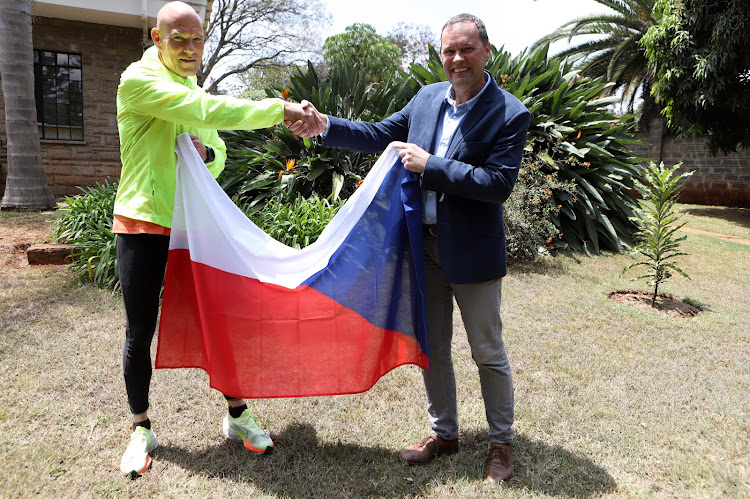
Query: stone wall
(106, 52)
(721, 180)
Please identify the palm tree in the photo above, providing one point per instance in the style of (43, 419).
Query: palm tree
(615, 52)
(26, 185)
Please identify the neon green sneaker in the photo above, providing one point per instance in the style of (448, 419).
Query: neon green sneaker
(246, 429)
(136, 460)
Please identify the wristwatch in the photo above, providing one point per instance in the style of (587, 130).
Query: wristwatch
(210, 155)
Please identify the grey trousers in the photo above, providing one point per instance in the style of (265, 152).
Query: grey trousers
(479, 304)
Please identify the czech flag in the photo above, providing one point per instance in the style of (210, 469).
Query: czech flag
(266, 320)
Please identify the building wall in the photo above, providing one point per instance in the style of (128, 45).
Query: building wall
(106, 51)
(721, 180)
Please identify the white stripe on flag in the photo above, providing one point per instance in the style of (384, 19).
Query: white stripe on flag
(217, 233)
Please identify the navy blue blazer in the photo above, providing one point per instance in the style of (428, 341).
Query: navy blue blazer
(472, 181)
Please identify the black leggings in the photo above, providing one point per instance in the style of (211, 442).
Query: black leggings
(141, 263)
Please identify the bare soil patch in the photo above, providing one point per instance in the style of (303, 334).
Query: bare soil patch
(667, 304)
(18, 231)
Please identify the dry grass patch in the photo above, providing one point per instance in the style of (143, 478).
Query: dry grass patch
(731, 221)
(610, 400)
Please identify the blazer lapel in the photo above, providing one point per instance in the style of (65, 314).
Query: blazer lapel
(426, 139)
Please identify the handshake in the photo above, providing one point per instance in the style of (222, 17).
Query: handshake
(303, 119)
(306, 121)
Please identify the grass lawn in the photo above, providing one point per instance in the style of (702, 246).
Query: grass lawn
(610, 400)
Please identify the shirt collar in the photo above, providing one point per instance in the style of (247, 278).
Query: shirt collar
(450, 95)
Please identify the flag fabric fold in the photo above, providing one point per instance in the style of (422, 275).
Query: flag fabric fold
(267, 320)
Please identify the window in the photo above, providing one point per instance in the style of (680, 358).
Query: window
(59, 95)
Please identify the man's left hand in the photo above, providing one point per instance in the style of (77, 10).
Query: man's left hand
(413, 157)
(199, 146)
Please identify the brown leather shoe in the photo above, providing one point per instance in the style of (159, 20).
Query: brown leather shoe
(499, 465)
(428, 449)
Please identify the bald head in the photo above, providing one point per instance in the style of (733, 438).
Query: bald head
(174, 12)
(178, 37)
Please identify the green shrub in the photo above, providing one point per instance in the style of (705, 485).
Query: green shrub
(296, 224)
(85, 222)
(277, 165)
(530, 210)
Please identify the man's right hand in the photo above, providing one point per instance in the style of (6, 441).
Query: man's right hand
(303, 119)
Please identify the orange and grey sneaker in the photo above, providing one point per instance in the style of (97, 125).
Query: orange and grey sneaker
(246, 429)
(136, 461)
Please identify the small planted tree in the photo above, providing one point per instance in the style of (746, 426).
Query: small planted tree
(657, 224)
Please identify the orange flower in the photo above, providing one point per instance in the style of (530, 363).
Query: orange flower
(586, 164)
(549, 240)
(285, 93)
(360, 182)
(289, 166)
(578, 136)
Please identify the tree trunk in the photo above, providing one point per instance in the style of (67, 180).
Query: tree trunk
(26, 184)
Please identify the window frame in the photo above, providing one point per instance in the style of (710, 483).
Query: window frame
(58, 92)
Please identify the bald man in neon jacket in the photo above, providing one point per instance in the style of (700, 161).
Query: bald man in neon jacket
(158, 99)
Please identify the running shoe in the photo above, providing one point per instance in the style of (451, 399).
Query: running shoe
(136, 461)
(245, 428)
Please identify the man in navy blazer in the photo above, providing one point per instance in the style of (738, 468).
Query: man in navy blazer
(466, 138)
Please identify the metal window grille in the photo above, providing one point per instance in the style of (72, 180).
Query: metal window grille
(58, 82)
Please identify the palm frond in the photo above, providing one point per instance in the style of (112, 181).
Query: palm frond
(614, 52)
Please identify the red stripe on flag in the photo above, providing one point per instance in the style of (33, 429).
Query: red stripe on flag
(259, 340)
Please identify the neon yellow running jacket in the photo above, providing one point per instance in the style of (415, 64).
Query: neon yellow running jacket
(154, 106)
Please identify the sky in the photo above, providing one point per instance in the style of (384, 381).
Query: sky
(515, 24)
